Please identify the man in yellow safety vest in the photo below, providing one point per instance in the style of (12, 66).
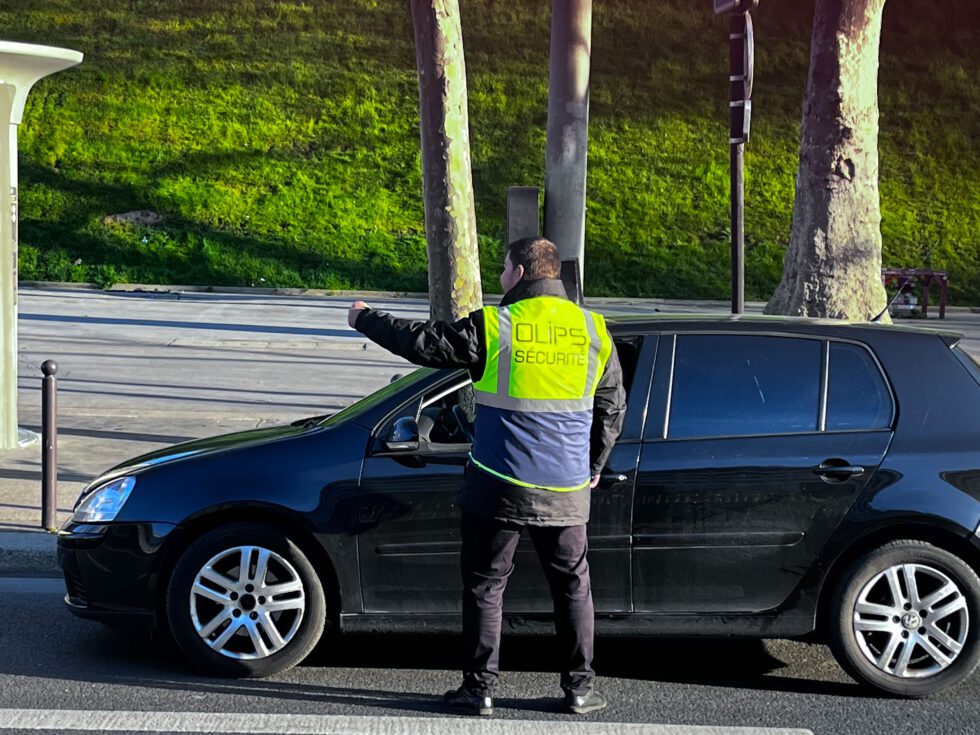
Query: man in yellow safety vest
(550, 403)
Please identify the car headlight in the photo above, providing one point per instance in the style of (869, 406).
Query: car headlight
(104, 503)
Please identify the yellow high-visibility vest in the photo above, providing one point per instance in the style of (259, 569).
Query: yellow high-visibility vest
(545, 356)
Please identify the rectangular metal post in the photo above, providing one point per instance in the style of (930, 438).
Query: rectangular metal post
(523, 217)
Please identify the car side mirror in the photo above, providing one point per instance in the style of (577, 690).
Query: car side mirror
(404, 436)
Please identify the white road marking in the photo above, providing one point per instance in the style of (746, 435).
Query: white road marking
(249, 724)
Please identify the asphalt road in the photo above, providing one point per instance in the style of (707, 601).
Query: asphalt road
(51, 661)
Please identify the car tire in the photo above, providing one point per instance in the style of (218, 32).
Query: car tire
(221, 620)
(869, 623)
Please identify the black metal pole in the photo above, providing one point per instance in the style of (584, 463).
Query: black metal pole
(740, 109)
(738, 227)
(49, 451)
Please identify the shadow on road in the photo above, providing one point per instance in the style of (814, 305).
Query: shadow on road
(45, 644)
(738, 663)
(744, 664)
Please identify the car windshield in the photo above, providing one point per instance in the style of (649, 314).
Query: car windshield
(380, 395)
(968, 362)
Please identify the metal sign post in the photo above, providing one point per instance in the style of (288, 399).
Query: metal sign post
(21, 66)
(522, 213)
(741, 63)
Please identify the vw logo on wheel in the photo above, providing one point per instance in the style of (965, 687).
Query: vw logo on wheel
(911, 621)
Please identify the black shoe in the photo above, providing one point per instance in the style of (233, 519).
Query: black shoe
(581, 704)
(465, 700)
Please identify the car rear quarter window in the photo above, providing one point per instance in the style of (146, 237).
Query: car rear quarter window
(857, 396)
(742, 385)
(968, 362)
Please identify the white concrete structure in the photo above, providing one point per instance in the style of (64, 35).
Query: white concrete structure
(21, 66)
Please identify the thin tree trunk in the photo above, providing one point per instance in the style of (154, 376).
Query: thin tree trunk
(447, 182)
(833, 262)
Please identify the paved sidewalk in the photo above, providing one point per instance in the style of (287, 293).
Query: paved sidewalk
(140, 371)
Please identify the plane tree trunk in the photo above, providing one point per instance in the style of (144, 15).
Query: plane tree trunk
(447, 182)
(833, 263)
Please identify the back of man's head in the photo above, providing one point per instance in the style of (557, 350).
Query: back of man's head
(538, 255)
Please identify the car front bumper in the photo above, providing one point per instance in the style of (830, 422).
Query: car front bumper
(112, 570)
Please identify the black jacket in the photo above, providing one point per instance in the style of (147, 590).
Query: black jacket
(461, 344)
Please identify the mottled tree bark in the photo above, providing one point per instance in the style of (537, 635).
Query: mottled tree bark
(833, 262)
(447, 182)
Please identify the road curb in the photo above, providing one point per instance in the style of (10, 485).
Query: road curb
(28, 553)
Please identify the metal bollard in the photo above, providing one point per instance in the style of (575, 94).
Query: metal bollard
(49, 443)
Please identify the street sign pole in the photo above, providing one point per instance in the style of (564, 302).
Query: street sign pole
(741, 53)
(740, 104)
(737, 164)
(21, 66)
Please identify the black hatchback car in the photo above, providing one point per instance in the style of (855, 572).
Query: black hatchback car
(775, 478)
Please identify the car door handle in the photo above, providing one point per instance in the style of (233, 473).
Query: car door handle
(837, 472)
(607, 479)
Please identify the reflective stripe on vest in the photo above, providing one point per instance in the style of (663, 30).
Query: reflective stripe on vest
(545, 355)
(515, 481)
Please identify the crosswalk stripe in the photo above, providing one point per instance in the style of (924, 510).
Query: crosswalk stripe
(286, 724)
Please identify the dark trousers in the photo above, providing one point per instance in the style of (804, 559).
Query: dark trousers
(487, 560)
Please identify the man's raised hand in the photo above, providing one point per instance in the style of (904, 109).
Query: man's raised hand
(356, 308)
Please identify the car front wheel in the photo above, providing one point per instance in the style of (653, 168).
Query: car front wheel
(244, 601)
(906, 619)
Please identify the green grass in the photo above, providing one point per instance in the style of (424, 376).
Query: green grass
(280, 140)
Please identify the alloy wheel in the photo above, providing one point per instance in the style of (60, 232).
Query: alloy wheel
(911, 621)
(247, 602)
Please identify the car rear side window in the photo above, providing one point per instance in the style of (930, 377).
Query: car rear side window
(740, 385)
(857, 397)
(968, 362)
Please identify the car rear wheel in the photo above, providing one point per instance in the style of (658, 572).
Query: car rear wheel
(244, 600)
(907, 618)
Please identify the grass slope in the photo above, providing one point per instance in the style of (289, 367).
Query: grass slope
(280, 141)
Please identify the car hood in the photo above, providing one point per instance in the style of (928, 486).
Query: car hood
(210, 445)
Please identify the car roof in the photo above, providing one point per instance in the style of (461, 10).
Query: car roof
(621, 324)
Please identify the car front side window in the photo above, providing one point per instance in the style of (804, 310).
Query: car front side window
(447, 417)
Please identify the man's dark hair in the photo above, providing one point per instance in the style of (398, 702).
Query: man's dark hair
(538, 255)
